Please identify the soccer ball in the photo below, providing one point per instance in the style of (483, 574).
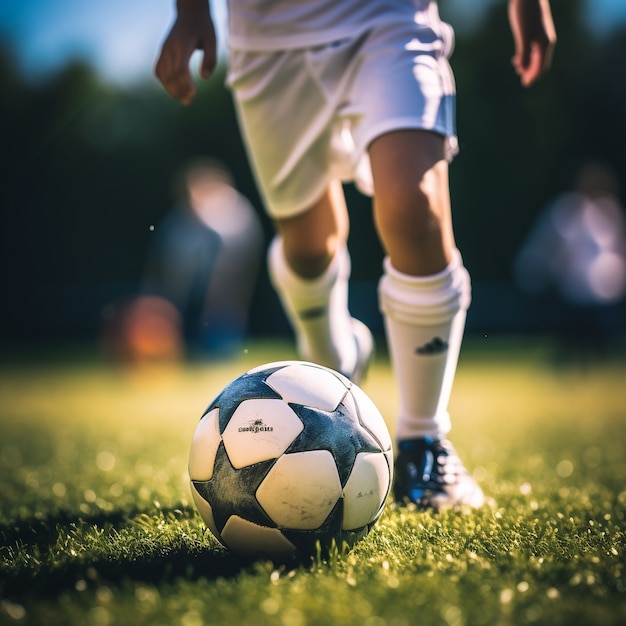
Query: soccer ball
(290, 459)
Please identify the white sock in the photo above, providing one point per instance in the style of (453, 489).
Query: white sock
(424, 321)
(317, 309)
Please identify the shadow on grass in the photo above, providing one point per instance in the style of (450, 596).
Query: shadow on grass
(33, 571)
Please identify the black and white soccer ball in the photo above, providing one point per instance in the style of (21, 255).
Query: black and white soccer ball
(290, 458)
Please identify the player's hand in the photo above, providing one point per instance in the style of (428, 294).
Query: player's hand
(534, 36)
(192, 30)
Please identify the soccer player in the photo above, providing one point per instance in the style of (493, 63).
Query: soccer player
(335, 90)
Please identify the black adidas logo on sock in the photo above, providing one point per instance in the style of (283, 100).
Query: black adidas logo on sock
(434, 346)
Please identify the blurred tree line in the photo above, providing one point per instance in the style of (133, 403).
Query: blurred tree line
(88, 169)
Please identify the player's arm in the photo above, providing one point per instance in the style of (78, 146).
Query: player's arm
(192, 30)
(534, 36)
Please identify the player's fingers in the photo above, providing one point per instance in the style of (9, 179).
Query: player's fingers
(208, 61)
(522, 50)
(535, 66)
(172, 70)
(182, 87)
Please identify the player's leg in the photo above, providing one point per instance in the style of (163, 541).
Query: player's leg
(310, 268)
(287, 106)
(424, 295)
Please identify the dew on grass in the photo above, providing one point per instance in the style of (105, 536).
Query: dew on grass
(144, 493)
(506, 595)
(453, 615)
(104, 594)
(565, 468)
(59, 490)
(144, 593)
(576, 579)
(393, 582)
(105, 461)
(98, 616)
(270, 606)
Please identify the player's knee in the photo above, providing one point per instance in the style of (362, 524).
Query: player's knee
(309, 250)
(309, 257)
(409, 214)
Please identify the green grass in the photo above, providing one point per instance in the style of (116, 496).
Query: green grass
(97, 526)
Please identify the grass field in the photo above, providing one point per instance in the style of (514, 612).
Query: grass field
(97, 526)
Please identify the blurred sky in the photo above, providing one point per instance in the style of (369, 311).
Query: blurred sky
(121, 37)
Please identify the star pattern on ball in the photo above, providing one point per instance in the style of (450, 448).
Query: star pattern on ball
(235, 490)
(336, 431)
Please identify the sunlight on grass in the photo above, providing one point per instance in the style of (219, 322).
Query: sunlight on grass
(98, 527)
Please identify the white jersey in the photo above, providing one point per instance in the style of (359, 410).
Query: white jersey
(289, 24)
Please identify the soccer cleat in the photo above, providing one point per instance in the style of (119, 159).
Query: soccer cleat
(365, 351)
(430, 475)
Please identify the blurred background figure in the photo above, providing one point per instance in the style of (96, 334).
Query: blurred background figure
(575, 257)
(199, 277)
(205, 257)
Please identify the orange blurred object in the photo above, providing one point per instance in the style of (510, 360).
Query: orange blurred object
(145, 329)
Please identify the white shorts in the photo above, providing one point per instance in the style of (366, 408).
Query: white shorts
(309, 115)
